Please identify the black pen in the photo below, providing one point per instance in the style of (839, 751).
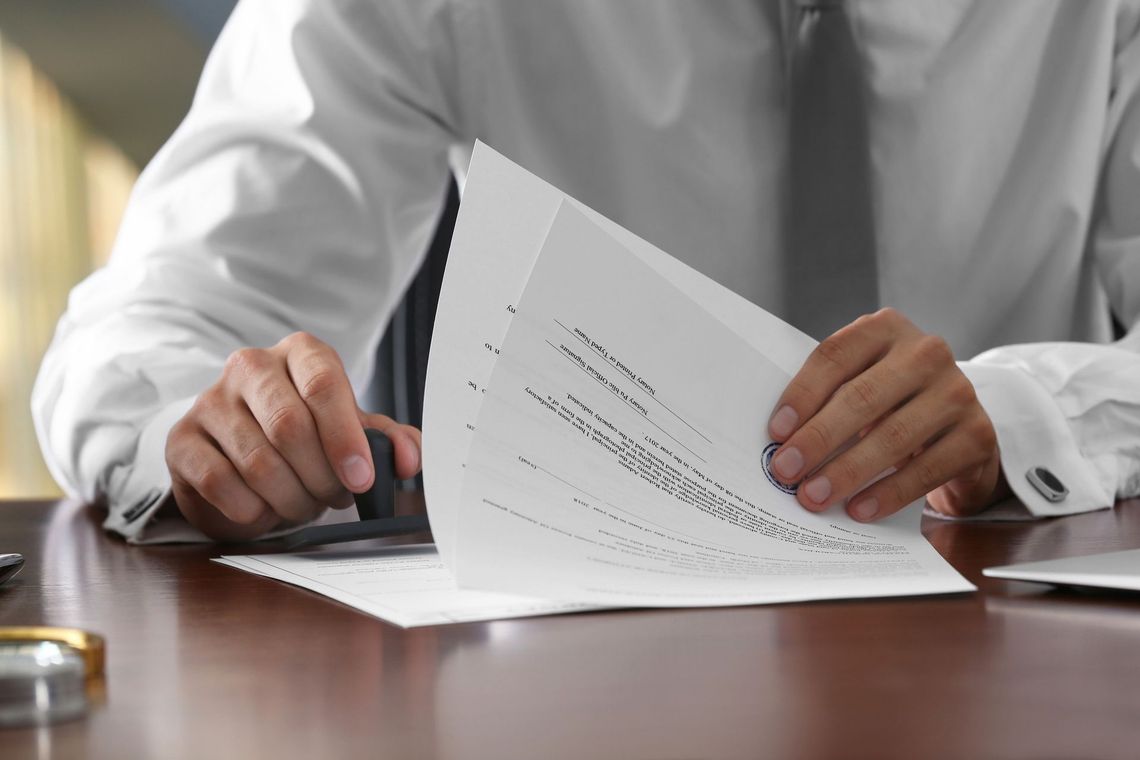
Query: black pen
(10, 564)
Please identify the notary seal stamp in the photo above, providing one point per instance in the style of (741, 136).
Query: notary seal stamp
(766, 464)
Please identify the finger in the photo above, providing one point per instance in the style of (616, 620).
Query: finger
(407, 443)
(289, 426)
(971, 493)
(198, 466)
(320, 380)
(892, 442)
(960, 450)
(851, 413)
(206, 517)
(951, 497)
(264, 470)
(840, 357)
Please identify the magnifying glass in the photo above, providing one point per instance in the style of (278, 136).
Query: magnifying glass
(47, 674)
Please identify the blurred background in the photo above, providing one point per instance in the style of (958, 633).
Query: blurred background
(89, 90)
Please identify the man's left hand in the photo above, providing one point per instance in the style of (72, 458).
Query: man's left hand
(896, 394)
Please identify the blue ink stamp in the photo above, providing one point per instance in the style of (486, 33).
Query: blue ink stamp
(766, 463)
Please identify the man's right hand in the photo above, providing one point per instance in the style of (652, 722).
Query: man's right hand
(275, 440)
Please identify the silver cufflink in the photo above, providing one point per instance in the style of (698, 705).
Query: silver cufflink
(1047, 484)
(142, 505)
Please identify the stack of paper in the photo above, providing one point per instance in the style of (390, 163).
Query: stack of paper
(1112, 570)
(405, 585)
(595, 425)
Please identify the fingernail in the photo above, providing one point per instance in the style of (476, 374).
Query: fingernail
(866, 509)
(783, 421)
(356, 472)
(818, 489)
(788, 463)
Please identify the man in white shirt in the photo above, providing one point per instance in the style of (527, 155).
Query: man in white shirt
(292, 207)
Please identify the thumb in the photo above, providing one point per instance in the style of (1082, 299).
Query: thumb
(406, 442)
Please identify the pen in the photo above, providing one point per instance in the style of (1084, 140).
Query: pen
(10, 564)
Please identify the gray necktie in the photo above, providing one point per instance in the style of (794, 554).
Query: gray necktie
(830, 265)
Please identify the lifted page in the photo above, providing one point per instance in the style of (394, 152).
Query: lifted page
(618, 455)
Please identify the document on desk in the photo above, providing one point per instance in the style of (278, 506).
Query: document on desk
(617, 456)
(1111, 570)
(502, 224)
(595, 436)
(405, 585)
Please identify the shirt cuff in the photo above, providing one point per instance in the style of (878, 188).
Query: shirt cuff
(1032, 432)
(137, 489)
(140, 489)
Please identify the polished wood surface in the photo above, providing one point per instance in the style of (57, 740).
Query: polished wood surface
(204, 661)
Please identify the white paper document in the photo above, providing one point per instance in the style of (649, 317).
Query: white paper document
(503, 219)
(405, 585)
(617, 456)
(1115, 570)
(595, 436)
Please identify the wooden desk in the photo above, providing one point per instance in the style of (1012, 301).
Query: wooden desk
(205, 661)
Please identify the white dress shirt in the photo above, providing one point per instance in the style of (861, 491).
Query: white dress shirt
(302, 188)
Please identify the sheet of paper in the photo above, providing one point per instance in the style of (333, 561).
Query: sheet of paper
(617, 454)
(1118, 570)
(407, 586)
(503, 220)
